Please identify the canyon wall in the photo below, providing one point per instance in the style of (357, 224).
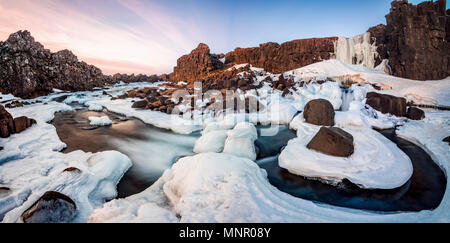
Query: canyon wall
(417, 40)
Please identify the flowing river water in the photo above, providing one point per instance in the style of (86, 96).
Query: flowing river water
(152, 150)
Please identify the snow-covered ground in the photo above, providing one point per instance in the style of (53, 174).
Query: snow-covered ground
(222, 187)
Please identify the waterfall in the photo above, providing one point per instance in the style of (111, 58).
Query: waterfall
(347, 97)
(356, 50)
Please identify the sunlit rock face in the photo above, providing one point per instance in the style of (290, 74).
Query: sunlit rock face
(276, 58)
(196, 65)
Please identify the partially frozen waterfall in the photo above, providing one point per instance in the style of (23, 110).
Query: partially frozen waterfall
(356, 50)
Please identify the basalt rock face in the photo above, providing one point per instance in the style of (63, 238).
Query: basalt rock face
(28, 70)
(290, 55)
(417, 40)
(196, 65)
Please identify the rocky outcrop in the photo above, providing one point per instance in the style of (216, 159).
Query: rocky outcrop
(417, 40)
(415, 113)
(127, 78)
(332, 141)
(387, 103)
(52, 207)
(290, 55)
(9, 126)
(319, 112)
(196, 65)
(28, 70)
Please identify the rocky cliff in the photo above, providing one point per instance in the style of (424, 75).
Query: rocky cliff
(28, 70)
(417, 40)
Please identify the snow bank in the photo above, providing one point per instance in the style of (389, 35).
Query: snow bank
(212, 141)
(95, 107)
(241, 141)
(99, 121)
(89, 188)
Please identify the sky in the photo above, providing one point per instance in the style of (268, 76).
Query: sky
(148, 36)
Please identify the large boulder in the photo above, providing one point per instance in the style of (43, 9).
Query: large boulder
(387, 103)
(332, 141)
(52, 207)
(319, 112)
(415, 113)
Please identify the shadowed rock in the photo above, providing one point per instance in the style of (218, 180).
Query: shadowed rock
(415, 113)
(332, 141)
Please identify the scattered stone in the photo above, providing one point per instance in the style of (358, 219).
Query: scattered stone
(332, 141)
(387, 103)
(447, 140)
(6, 123)
(142, 104)
(415, 113)
(72, 169)
(52, 207)
(319, 112)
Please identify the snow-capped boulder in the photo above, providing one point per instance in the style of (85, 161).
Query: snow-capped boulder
(319, 112)
(100, 121)
(52, 207)
(212, 141)
(376, 162)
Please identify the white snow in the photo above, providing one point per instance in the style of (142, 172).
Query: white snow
(241, 141)
(212, 141)
(99, 121)
(95, 107)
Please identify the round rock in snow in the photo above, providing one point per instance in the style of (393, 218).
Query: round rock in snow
(319, 112)
(415, 113)
(52, 207)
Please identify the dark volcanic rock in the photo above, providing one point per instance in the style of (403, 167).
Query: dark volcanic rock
(319, 112)
(290, 55)
(6, 123)
(387, 103)
(52, 207)
(196, 65)
(332, 141)
(72, 169)
(417, 40)
(415, 113)
(9, 126)
(126, 78)
(142, 104)
(28, 70)
(447, 140)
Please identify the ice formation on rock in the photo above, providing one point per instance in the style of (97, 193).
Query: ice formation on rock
(356, 50)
